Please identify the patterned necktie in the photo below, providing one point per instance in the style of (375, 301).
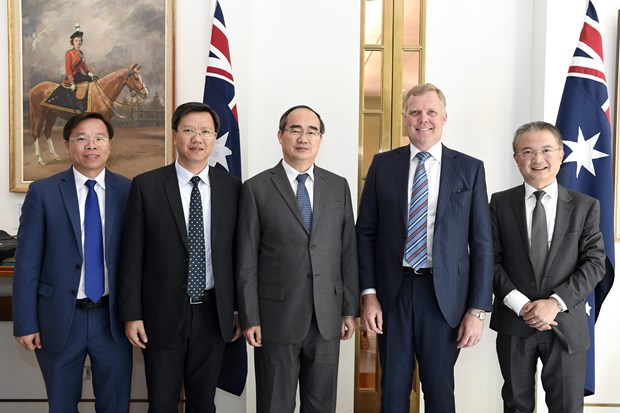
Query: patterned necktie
(415, 245)
(196, 281)
(303, 199)
(93, 245)
(539, 243)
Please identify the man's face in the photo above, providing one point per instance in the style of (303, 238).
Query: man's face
(424, 119)
(194, 151)
(539, 157)
(301, 140)
(89, 147)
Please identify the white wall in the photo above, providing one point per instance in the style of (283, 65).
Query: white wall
(500, 64)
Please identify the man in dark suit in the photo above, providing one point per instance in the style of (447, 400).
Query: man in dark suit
(65, 282)
(297, 281)
(549, 256)
(176, 278)
(425, 256)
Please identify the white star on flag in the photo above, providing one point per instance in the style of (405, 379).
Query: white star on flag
(583, 152)
(220, 152)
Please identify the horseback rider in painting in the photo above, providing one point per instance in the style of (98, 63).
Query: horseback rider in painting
(75, 63)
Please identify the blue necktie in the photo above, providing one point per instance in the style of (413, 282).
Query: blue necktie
(415, 246)
(196, 281)
(303, 199)
(93, 245)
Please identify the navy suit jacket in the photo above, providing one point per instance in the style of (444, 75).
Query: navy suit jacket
(48, 259)
(462, 244)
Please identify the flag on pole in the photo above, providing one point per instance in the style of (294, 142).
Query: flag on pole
(583, 118)
(219, 93)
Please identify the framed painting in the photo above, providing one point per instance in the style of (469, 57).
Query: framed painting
(67, 57)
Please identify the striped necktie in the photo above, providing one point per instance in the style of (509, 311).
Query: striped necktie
(415, 246)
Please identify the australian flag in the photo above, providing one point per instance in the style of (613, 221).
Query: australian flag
(583, 118)
(220, 95)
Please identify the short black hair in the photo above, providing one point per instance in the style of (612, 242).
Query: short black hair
(535, 127)
(74, 120)
(284, 117)
(190, 107)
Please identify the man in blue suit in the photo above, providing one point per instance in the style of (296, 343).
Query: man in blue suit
(425, 256)
(64, 292)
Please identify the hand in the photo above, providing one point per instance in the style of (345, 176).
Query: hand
(347, 327)
(470, 330)
(236, 328)
(540, 314)
(254, 336)
(134, 330)
(30, 342)
(73, 87)
(372, 317)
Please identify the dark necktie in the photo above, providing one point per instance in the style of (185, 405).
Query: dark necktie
(93, 245)
(415, 245)
(303, 199)
(539, 238)
(196, 282)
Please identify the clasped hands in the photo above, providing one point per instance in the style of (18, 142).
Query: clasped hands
(540, 314)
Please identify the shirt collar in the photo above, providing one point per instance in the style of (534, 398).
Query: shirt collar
(80, 180)
(434, 150)
(291, 173)
(184, 176)
(551, 189)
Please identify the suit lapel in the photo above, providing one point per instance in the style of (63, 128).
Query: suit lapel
(171, 188)
(401, 173)
(319, 191)
(69, 197)
(110, 206)
(449, 170)
(562, 218)
(280, 180)
(216, 201)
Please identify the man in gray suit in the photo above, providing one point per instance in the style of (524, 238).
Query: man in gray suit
(297, 281)
(549, 256)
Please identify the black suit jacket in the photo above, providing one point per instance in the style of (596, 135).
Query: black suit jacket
(575, 262)
(154, 264)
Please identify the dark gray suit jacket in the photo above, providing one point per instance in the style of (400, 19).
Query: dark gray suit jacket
(286, 274)
(575, 262)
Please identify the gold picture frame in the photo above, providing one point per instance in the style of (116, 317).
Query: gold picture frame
(128, 46)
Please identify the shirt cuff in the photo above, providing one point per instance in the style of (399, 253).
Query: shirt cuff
(368, 291)
(515, 300)
(563, 306)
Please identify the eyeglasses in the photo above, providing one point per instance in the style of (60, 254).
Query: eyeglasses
(84, 140)
(531, 153)
(190, 133)
(298, 132)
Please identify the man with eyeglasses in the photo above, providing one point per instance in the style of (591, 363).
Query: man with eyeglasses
(65, 281)
(297, 271)
(176, 292)
(549, 256)
(425, 256)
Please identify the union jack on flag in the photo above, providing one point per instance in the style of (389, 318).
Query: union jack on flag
(219, 93)
(583, 118)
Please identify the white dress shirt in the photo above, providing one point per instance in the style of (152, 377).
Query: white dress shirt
(515, 300)
(82, 192)
(291, 174)
(204, 186)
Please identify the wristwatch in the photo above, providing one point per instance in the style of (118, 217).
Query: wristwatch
(480, 315)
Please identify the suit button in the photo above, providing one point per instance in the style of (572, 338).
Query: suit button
(317, 275)
(78, 266)
(184, 286)
(73, 292)
(532, 284)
